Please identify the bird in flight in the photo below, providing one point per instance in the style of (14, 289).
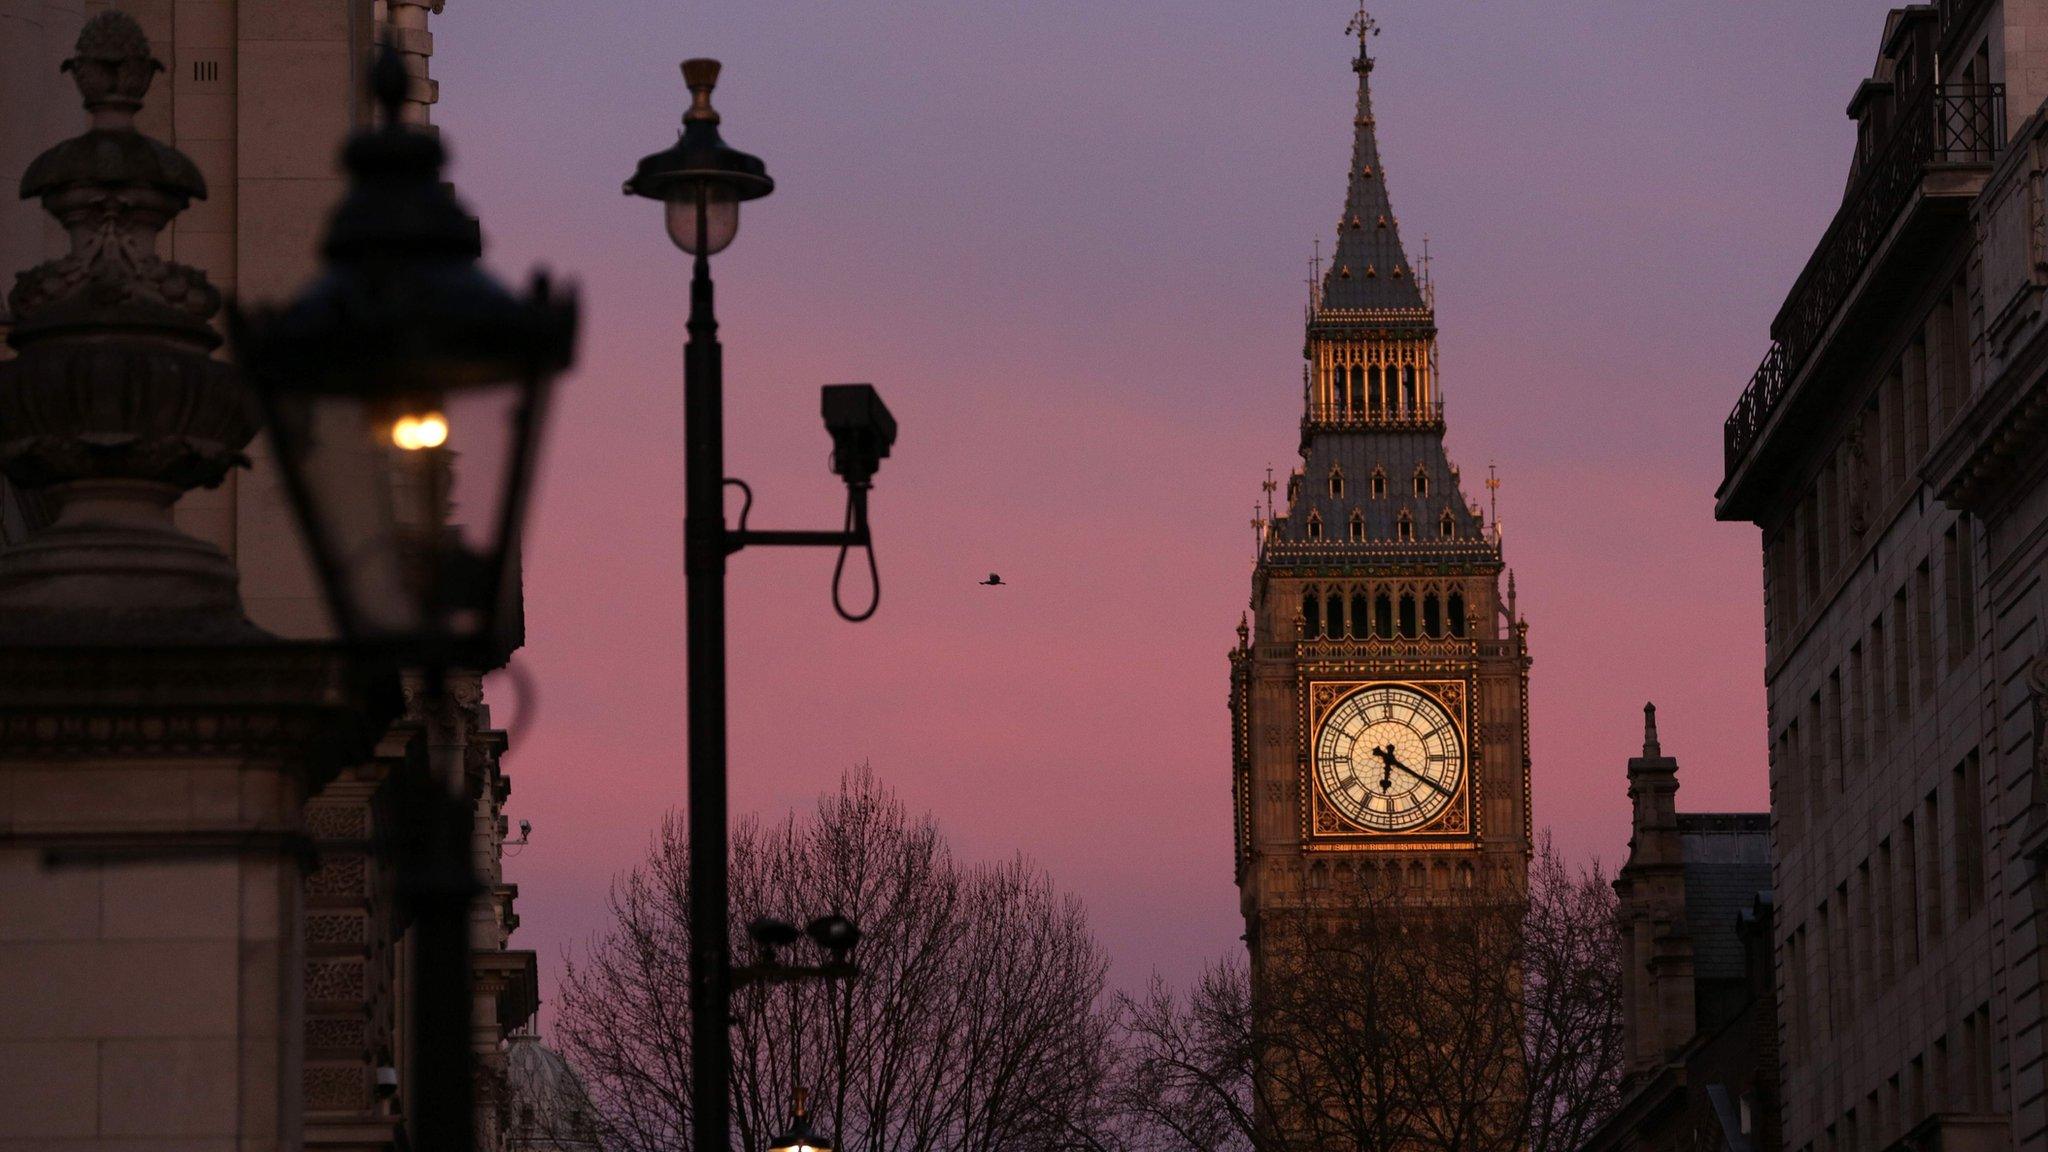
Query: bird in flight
(992, 580)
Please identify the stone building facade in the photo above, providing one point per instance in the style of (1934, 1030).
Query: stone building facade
(1886, 451)
(1698, 1014)
(260, 96)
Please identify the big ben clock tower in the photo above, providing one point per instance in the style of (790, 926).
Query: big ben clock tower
(1379, 689)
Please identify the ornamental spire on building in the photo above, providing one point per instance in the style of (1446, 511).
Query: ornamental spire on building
(1369, 269)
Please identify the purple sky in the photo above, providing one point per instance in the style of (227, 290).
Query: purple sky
(1067, 241)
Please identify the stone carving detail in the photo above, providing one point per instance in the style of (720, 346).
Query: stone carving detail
(334, 980)
(336, 928)
(338, 876)
(337, 821)
(336, 1089)
(349, 1033)
(153, 405)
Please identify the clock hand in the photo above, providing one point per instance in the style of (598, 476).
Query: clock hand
(1396, 763)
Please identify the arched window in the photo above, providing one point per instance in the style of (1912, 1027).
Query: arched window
(1383, 616)
(1375, 402)
(1407, 616)
(1456, 607)
(1357, 526)
(1404, 529)
(1379, 483)
(1333, 616)
(1315, 526)
(1311, 614)
(1447, 525)
(1357, 390)
(1432, 616)
(1361, 623)
(1337, 485)
(1421, 480)
(1408, 390)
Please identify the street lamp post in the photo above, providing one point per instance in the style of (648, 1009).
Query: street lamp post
(403, 353)
(702, 182)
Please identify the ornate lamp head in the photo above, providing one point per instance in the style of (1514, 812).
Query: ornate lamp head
(400, 357)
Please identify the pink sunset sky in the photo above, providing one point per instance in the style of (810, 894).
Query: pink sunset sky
(1067, 241)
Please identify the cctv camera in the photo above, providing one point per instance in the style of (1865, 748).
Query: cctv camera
(862, 430)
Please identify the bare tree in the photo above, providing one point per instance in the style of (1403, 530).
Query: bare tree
(977, 1022)
(1381, 1021)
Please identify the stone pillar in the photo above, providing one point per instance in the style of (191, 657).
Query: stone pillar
(156, 749)
(1657, 970)
(404, 27)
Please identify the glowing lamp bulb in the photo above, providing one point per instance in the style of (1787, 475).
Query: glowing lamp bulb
(426, 430)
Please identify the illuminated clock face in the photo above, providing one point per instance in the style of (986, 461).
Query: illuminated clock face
(1388, 758)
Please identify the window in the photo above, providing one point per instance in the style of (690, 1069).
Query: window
(1923, 630)
(1357, 526)
(1967, 782)
(1447, 525)
(1361, 620)
(1914, 373)
(1432, 616)
(1456, 607)
(1333, 616)
(1909, 892)
(1858, 706)
(1374, 399)
(1311, 614)
(1959, 575)
(1930, 810)
(1421, 481)
(1315, 526)
(1378, 484)
(1407, 616)
(1357, 405)
(1885, 923)
(1337, 483)
(1383, 616)
(1405, 528)
(1902, 657)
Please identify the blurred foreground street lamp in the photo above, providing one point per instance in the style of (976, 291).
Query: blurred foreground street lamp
(400, 356)
(701, 181)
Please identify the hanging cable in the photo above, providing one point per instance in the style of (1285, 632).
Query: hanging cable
(855, 515)
(747, 507)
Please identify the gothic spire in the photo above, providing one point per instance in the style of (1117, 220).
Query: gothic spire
(1369, 269)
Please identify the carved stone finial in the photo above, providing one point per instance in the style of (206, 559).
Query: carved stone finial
(112, 67)
(1651, 750)
(1244, 632)
(114, 405)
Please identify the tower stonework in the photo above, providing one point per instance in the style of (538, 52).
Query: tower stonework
(1379, 687)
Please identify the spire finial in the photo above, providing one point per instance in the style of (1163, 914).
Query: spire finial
(1650, 749)
(1363, 26)
(1493, 499)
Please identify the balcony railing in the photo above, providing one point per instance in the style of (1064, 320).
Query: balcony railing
(1952, 124)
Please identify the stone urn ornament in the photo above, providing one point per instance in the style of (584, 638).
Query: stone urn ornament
(114, 405)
